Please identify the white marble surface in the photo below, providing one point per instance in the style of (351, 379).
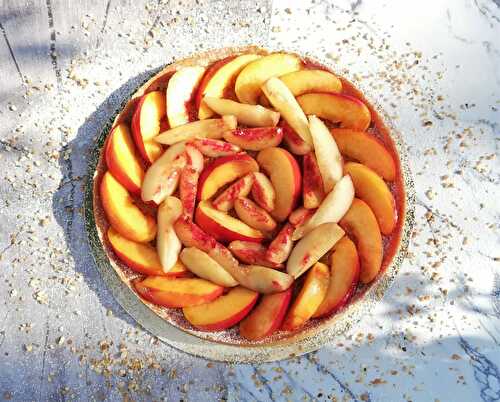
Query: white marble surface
(433, 65)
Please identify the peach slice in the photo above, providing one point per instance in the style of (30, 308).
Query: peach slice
(141, 257)
(360, 223)
(283, 100)
(162, 177)
(252, 253)
(224, 227)
(180, 91)
(306, 81)
(371, 188)
(224, 312)
(310, 297)
(300, 216)
(249, 81)
(347, 110)
(122, 213)
(255, 139)
(281, 247)
(222, 171)
(253, 215)
(327, 153)
(188, 185)
(177, 292)
(211, 128)
(263, 191)
(215, 148)
(218, 80)
(312, 183)
(284, 172)
(240, 188)
(202, 265)
(122, 159)
(149, 112)
(312, 247)
(344, 276)
(250, 115)
(168, 244)
(262, 279)
(332, 209)
(267, 317)
(293, 141)
(361, 146)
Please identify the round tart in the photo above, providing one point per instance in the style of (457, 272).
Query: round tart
(251, 198)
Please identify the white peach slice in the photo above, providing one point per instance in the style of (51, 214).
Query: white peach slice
(168, 244)
(283, 100)
(313, 191)
(250, 115)
(327, 153)
(255, 139)
(252, 254)
(162, 177)
(335, 205)
(202, 265)
(294, 142)
(253, 215)
(249, 81)
(211, 128)
(312, 247)
(180, 92)
(215, 148)
(281, 246)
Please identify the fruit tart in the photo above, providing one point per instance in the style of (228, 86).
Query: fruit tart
(248, 196)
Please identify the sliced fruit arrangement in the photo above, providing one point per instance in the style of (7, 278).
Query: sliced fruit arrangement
(249, 197)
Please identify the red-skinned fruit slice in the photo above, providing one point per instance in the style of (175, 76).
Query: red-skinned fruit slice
(312, 184)
(252, 254)
(253, 215)
(255, 139)
(263, 191)
(281, 247)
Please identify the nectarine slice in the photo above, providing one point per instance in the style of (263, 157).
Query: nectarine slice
(122, 159)
(255, 139)
(371, 188)
(250, 115)
(293, 141)
(284, 102)
(224, 227)
(177, 292)
(211, 128)
(202, 265)
(263, 191)
(222, 171)
(180, 92)
(360, 223)
(188, 184)
(141, 257)
(332, 209)
(252, 253)
(224, 312)
(344, 275)
(122, 213)
(253, 215)
(362, 147)
(327, 153)
(349, 111)
(281, 246)
(240, 188)
(249, 81)
(310, 297)
(300, 216)
(312, 183)
(312, 247)
(218, 79)
(162, 177)
(305, 81)
(267, 317)
(284, 172)
(149, 112)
